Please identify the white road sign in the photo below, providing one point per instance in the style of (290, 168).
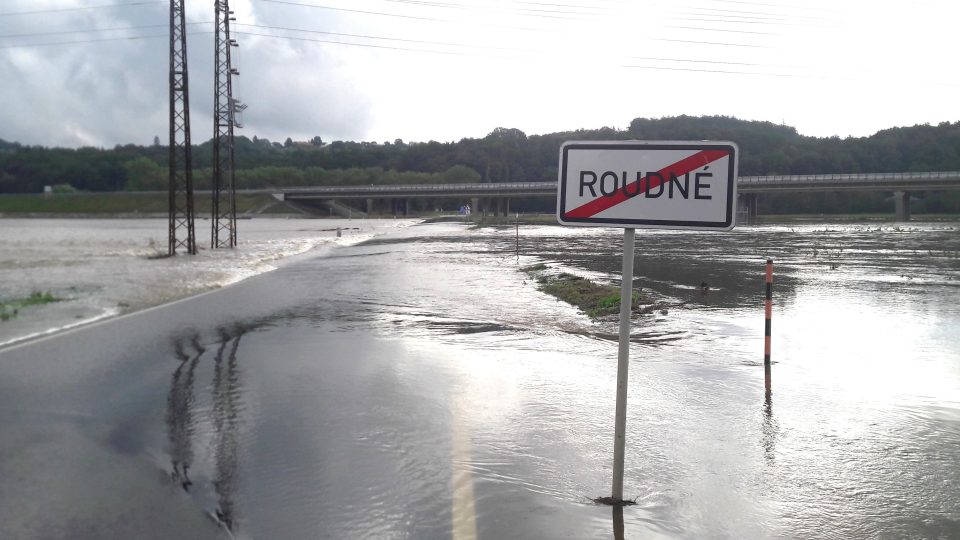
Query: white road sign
(648, 184)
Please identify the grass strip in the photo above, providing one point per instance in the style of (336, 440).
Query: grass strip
(10, 309)
(594, 299)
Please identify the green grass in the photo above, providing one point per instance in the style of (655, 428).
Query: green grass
(11, 308)
(594, 299)
(119, 203)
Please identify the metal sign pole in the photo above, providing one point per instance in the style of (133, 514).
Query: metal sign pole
(623, 358)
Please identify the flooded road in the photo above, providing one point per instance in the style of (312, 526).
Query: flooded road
(419, 385)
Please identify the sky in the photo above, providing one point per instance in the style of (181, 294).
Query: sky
(94, 72)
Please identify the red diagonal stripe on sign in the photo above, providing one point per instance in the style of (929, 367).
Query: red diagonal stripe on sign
(680, 168)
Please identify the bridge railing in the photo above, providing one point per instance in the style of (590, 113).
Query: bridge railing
(419, 188)
(864, 178)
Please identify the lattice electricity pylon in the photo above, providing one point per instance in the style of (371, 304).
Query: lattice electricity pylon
(181, 163)
(224, 211)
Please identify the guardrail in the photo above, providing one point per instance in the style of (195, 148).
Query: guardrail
(862, 178)
(418, 188)
(851, 182)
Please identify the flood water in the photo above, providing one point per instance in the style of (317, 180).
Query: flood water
(99, 268)
(418, 385)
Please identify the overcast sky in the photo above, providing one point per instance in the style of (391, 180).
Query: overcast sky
(442, 70)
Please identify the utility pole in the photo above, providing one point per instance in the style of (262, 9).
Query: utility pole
(225, 109)
(181, 163)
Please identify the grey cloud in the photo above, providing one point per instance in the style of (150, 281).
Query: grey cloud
(115, 92)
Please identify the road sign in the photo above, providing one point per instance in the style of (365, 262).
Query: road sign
(648, 184)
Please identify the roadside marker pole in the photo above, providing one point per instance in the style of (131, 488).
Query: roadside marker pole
(768, 308)
(623, 358)
(518, 236)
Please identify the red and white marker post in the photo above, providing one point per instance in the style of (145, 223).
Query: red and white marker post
(768, 314)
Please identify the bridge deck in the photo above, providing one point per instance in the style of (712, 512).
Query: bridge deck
(914, 181)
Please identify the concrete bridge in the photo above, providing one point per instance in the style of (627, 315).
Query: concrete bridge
(494, 198)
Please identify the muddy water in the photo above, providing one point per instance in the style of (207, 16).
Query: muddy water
(418, 385)
(99, 268)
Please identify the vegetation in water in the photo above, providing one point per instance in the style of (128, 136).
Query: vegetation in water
(594, 299)
(11, 308)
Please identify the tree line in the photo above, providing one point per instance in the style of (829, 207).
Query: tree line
(504, 155)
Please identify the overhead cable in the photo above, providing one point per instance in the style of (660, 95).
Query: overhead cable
(81, 8)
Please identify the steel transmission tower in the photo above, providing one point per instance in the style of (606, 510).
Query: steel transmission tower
(181, 164)
(225, 109)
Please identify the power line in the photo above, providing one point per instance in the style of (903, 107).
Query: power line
(456, 53)
(762, 15)
(437, 19)
(517, 5)
(705, 29)
(718, 43)
(805, 8)
(373, 46)
(712, 19)
(79, 41)
(398, 15)
(465, 45)
(81, 8)
(460, 53)
(721, 62)
(405, 40)
(85, 31)
(465, 53)
(526, 12)
(302, 30)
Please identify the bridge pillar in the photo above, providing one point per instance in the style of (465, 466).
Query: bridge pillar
(901, 203)
(406, 206)
(506, 206)
(474, 207)
(500, 211)
(747, 208)
(369, 206)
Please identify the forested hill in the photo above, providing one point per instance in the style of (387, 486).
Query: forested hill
(503, 155)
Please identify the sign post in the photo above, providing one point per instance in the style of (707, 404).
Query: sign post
(651, 185)
(623, 363)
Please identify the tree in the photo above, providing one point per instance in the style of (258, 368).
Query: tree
(460, 174)
(144, 175)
